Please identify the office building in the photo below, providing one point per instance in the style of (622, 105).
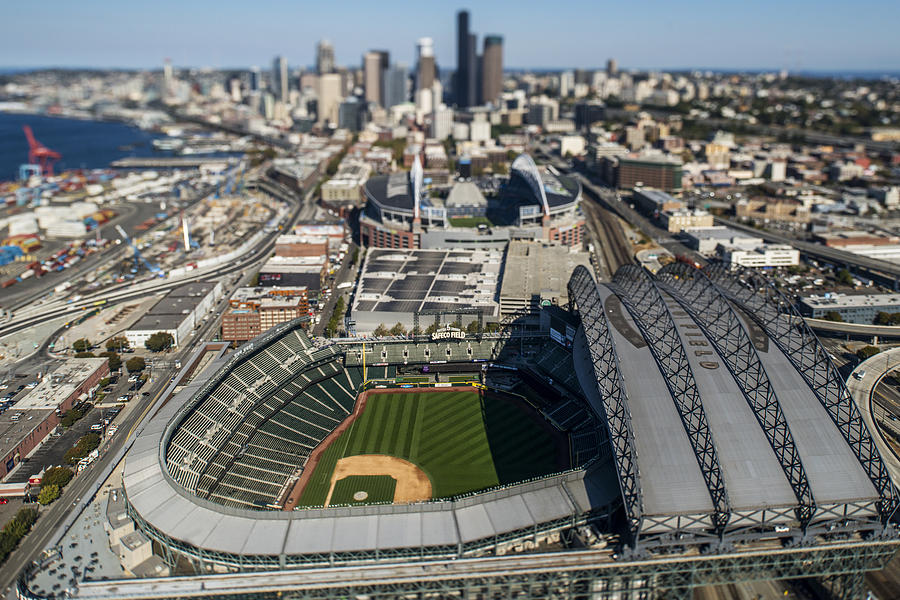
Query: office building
(254, 79)
(374, 64)
(329, 98)
(280, 78)
(862, 308)
(652, 171)
(441, 123)
(612, 68)
(465, 84)
(566, 84)
(394, 84)
(588, 113)
(324, 57)
(425, 66)
(352, 114)
(759, 256)
(492, 69)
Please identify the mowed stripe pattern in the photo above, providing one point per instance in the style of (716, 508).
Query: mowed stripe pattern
(462, 441)
(379, 488)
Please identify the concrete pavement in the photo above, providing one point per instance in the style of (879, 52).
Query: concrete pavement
(862, 384)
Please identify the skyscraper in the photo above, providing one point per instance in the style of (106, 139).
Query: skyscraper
(424, 63)
(374, 64)
(168, 78)
(492, 68)
(394, 86)
(254, 79)
(611, 67)
(280, 78)
(464, 84)
(329, 98)
(324, 57)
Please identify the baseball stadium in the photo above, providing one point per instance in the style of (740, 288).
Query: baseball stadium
(661, 432)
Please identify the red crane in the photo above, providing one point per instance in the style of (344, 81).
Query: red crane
(39, 154)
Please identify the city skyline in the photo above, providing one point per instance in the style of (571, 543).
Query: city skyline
(699, 35)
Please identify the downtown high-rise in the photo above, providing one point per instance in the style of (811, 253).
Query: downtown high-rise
(492, 69)
(465, 82)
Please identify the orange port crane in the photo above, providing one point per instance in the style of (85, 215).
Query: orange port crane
(39, 154)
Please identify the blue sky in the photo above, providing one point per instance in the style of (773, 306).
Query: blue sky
(763, 34)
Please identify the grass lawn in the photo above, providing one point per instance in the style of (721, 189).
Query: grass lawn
(469, 221)
(463, 441)
(378, 488)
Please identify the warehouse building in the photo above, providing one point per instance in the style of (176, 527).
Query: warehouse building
(178, 313)
(24, 426)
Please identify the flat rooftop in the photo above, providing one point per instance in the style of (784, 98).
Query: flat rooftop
(853, 301)
(13, 430)
(412, 280)
(55, 387)
(537, 268)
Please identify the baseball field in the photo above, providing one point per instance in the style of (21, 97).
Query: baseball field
(422, 444)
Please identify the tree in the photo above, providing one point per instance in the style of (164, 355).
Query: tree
(472, 327)
(833, 315)
(337, 318)
(135, 364)
(82, 345)
(431, 329)
(398, 329)
(886, 318)
(71, 417)
(58, 476)
(115, 361)
(867, 352)
(117, 344)
(844, 277)
(381, 331)
(48, 494)
(159, 341)
(85, 355)
(492, 327)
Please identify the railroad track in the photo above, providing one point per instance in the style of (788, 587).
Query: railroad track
(608, 236)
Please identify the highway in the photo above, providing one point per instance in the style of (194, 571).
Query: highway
(130, 291)
(552, 567)
(80, 488)
(53, 516)
(131, 214)
(820, 251)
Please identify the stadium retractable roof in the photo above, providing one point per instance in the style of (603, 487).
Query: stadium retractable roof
(718, 418)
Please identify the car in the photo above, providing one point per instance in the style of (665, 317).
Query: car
(4, 500)
(20, 388)
(124, 398)
(97, 427)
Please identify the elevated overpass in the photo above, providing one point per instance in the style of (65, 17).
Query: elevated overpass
(882, 270)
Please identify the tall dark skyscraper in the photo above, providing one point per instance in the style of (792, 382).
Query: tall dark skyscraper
(492, 68)
(465, 90)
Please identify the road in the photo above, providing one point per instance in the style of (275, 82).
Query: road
(54, 516)
(131, 215)
(820, 251)
(259, 254)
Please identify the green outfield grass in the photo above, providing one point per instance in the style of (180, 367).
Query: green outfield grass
(463, 441)
(379, 488)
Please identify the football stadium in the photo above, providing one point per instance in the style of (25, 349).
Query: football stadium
(660, 433)
(407, 210)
